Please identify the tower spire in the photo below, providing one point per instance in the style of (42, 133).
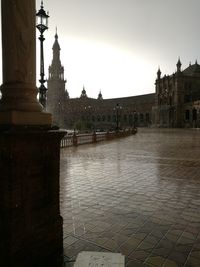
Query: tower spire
(158, 73)
(57, 94)
(100, 97)
(56, 70)
(56, 35)
(83, 93)
(178, 65)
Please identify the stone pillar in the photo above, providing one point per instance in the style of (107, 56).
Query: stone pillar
(94, 137)
(30, 221)
(75, 139)
(19, 105)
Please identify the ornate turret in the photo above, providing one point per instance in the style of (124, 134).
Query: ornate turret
(178, 65)
(158, 73)
(83, 93)
(100, 97)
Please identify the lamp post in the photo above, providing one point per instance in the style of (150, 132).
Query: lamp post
(134, 118)
(42, 26)
(117, 109)
(88, 117)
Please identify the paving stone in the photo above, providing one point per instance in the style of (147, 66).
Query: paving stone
(85, 259)
(178, 257)
(164, 252)
(155, 261)
(141, 255)
(135, 263)
(192, 262)
(170, 263)
(69, 241)
(146, 245)
(137, 195)
(195, 254)
(183, 240)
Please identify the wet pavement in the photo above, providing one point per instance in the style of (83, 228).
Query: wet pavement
(138, 195)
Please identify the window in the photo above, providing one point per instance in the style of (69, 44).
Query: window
(187, 98)
(141, 117)
(194, 114)
(147, 117)
(130, 117)
(187, 115)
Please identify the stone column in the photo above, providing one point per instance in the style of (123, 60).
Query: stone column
(19, 105)
(30, 221)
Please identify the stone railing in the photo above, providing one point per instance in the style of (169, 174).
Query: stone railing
(80, 139)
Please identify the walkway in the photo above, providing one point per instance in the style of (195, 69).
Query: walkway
(138, 195)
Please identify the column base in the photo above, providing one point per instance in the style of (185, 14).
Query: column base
(14, 117)
(30, 222)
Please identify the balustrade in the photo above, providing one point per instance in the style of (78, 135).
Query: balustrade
(80, 139)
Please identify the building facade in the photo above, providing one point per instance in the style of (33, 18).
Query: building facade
(177, 98)
(175, 103)
(90, 113)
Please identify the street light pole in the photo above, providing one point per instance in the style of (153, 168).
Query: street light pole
(117, 117)
(88, 117)
(117, 108)
(134, 118)
(42, 26)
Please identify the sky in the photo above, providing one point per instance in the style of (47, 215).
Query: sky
(116, 46)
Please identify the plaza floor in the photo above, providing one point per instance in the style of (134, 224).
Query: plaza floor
(138, 195)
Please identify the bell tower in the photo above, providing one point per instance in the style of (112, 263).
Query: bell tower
(56, 93)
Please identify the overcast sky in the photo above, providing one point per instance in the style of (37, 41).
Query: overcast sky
(116, 46)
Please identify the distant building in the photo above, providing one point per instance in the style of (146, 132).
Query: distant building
(89, 113)
(176, 102)
(177, 99)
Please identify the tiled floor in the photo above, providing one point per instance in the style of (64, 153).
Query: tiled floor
(139, 196)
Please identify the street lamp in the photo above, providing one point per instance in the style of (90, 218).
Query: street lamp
(42, 26)
(88, 116)
(117, 108)
(134, 118)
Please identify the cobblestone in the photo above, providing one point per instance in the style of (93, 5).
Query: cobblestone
(138, 195)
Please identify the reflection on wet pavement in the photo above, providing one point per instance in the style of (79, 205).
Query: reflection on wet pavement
(139, 196)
